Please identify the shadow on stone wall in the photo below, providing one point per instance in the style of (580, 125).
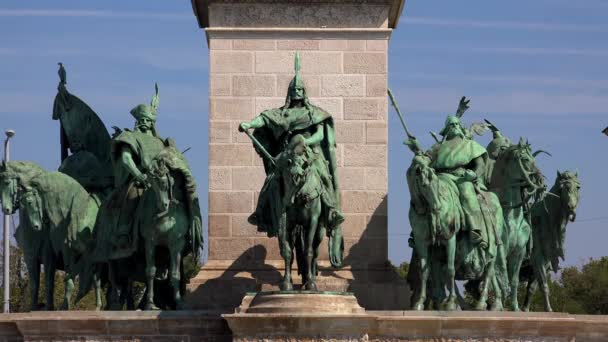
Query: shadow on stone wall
(224, 292)
(367, 273)
(375, 282)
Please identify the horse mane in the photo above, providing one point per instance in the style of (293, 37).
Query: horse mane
(25, 171)
(175, 162)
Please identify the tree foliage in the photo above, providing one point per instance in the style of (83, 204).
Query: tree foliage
(20, 280)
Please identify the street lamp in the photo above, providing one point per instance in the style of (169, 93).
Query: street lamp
(7, 294)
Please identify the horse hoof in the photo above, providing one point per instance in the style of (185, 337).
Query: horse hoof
(496, 307)
(150, 307)
(451, 306)
(310, 286)
(419, 307)
(286, 286)
(480, 307)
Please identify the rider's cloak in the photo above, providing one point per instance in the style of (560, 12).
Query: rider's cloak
(457, 152)
(120, 212)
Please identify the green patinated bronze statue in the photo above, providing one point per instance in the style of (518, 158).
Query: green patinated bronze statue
(457, 225)
(127, 201)
(56, 226)
(154, 204)
(549, 220)
(474, 209)
(299, 201)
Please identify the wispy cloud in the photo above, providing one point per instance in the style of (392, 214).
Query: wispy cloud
(94, 14)
(437, 100)
(513, 50)
(519, 80)
(504, 25)
(166, 59)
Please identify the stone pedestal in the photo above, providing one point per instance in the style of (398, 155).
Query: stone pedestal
(343, 46)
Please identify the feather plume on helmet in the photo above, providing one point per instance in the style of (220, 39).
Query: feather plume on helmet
(455, 119)
(147, 111)
(144, 111)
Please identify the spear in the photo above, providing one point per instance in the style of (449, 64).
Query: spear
(394, 103)
(261, 148)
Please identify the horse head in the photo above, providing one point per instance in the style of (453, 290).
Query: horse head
(425, 182)
(9, 188)
(294, 165)
(161, 184)
(567, 187)
(30, 206)
(522, 170)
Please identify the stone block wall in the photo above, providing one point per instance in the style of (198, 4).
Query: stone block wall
(346, 77)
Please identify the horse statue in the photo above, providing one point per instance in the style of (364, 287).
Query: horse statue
(56, 228)
(302, 226)
(517, 181)
(174, 221)
(437, 219)
(549, 220)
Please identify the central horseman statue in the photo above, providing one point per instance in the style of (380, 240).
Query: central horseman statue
(299, 201)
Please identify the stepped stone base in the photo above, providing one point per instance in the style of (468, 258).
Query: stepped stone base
(380, 326)
(300, 302)
(221, 286)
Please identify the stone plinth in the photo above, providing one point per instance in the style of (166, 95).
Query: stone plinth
(431, 326)
(115, 326)
(402, 326)
(343, 46)
(300, 302)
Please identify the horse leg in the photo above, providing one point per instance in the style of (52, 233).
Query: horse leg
(423, 257)
(531, 289)
(33, 270)
(482, 304)
(451, 274)
(497, 305)
(174, 271)
(544, 286)
(49, 279)
(97, 284)
(113, 298)
(514, 267)
(315, 212)
(286, 249)
(150, 274)
(68, 262)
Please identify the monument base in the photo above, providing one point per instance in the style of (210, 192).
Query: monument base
(300, 302)
(426, 326)
(377, 326)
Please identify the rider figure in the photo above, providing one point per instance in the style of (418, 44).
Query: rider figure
(132, 153)
(274, 129)
(464, 159)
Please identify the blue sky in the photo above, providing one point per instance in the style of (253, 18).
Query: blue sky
(534, 68)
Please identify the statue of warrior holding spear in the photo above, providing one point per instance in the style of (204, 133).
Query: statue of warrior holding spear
(278, 130)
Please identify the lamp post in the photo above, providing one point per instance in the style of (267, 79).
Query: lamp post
(9, 134)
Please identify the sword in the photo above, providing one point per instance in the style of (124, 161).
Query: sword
(394, 103)
(261, 148)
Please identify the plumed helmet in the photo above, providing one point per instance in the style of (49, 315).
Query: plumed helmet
(296, 81)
